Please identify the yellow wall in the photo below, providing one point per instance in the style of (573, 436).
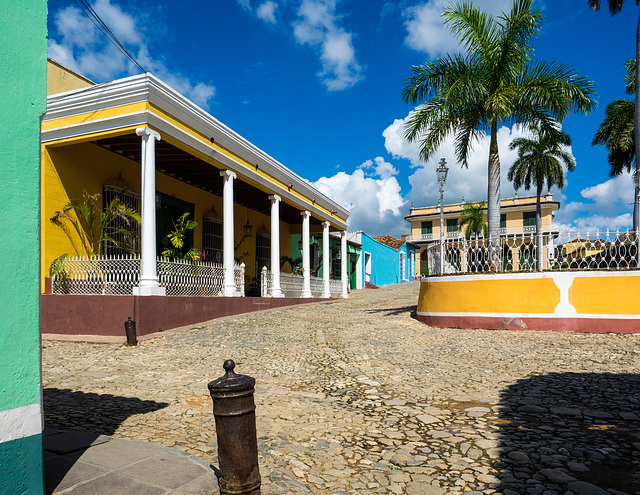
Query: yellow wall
(513, 218)
(67, 171)
(587, 293)
(61, 79)
(489, 295)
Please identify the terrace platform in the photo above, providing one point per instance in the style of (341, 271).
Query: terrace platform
(575, 301)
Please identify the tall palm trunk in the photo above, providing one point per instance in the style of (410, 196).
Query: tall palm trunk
(636, 210)
(493, 198)
(539, 246)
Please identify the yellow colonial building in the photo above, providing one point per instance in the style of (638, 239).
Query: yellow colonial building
(138, 140)
(517, 235)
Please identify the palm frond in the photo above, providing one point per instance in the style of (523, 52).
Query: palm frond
(617, 133)
(475, 28)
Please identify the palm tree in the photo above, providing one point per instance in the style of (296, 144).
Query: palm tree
(473, 217)
(494, 83)
(540, 160)
(617, 133)
(615, 6)
(90, 229)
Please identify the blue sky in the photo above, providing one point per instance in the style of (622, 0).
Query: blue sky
(316, 84)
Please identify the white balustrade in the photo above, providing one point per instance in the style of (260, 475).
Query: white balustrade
(120, 274)
(292, 285)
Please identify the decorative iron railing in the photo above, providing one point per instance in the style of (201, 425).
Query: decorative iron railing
(292, 285)
(120, 274)
(526, 251)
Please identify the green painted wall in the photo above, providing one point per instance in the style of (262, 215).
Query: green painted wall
(23, 58)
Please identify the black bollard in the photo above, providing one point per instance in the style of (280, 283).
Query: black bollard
(130, 329)
(234, 412)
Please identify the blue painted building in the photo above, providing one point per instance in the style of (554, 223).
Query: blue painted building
(383, 260)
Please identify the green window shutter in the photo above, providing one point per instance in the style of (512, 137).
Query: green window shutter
(503, 220)
(529, 219)
(452, 225)
(427, 227)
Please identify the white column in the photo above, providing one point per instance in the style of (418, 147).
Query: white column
(276, 291)
(326, 259)
(149, 284)
(343, 264)
(306, 262)
(228, 236)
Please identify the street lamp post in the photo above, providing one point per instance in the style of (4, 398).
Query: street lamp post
(441, 174)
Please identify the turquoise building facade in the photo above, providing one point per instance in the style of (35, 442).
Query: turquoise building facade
(384, 260)
(23, 56)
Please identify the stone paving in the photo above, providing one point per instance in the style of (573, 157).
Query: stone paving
(356, 396)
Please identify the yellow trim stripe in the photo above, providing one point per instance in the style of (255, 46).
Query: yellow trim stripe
(83, 118)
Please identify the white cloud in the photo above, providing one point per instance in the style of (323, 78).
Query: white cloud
(602, 223)
(611, 194)
(426, 31)
(79, 45)
(608, 207)
(317, 26)
(267, 11)
(375, 198)
(379, 167)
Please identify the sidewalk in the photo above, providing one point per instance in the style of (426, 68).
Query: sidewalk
(83, 463)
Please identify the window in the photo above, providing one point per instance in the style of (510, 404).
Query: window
(130, 199)
(367, 267)
(168, 210)
(314, 257)
(212, 239)
(452, 225)
(424, 262)
(336, 264)
(529, 219)
(427, 228)
(263, 252)
(503, 220)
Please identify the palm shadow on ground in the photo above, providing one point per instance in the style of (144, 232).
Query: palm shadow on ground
(66, 409)
(565, 430)
(411, 310)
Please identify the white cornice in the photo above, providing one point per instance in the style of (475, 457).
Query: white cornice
(146, 87)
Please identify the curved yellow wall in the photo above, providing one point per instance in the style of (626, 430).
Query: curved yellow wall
(580, 301)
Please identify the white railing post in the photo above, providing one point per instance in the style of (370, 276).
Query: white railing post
(264, 292)
(242, 267)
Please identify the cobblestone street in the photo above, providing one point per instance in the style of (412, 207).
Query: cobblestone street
(356, 396)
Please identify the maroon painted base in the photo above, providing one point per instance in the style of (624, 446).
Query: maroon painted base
(105, 315)
(585, 325)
